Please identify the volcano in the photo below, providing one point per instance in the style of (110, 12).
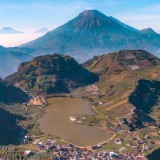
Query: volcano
(92, 33)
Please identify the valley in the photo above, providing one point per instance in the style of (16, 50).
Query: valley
(79, 80)
(118, 111)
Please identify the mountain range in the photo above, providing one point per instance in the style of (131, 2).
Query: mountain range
(92, 33)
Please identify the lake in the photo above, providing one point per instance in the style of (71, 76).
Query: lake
(56, 122)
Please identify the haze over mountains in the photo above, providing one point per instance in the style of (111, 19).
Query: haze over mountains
(119, 81)
(10, 58)
(8, 30)
(92, 33)
(42, 30)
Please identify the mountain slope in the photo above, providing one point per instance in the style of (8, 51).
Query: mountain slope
(93, 33)
(119, 72)
(51, 74)
(146, 95)
(117, 62)
(128, 84)
(9, 130)
(10, 94)
(10, 58)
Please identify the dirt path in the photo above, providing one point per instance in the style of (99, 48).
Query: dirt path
(96, 63)
(117, 104)
(97, 111)
(101, 143)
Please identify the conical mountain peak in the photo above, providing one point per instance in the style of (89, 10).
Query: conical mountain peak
(90, 19)
(91, 13)
(92, 33)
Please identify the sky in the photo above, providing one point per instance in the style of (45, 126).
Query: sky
(30, 15)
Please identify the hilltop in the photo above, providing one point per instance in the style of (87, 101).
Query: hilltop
(51, 74)
(119, 72)
(114, 63)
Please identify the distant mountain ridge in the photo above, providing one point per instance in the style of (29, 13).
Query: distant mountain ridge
(10, 59)
(8, 30)
(42, 30)
(92, 33)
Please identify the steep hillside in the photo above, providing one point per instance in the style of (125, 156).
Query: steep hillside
(10, 94)
(128, 85)
(154, 155)
(117, 62)
(146, 95)
(9, 130)
(51, 74)
(92, 33)
(119, 72)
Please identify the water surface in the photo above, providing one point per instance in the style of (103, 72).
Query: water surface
(56, 122)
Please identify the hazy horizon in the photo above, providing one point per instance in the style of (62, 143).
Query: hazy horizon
(29, 16)
(13, 40)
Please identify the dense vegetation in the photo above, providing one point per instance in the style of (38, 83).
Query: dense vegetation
(10, 94)
(9, 130)
(146, 95)
(52, 74)
(155, 155)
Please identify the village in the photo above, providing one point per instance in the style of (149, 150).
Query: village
(138, 146)
(126, 144)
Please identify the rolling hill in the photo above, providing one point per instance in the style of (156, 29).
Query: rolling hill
(92, 33)
(128, 81)
(51, 74)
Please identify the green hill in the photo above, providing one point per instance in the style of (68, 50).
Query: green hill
(51, 74)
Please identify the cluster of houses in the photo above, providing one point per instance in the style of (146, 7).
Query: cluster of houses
(72, 152)
(37, 101)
